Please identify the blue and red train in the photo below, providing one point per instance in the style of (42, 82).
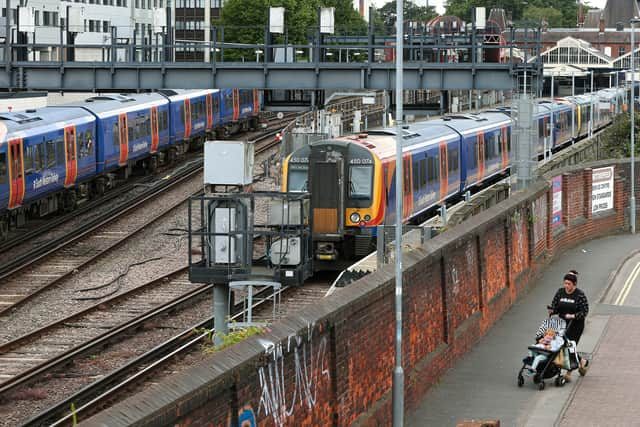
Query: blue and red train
(352, 179)
(54, 156)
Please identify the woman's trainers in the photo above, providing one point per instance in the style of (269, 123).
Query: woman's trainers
(583, 368)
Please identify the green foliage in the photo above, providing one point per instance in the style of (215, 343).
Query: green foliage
(385, 17)
(521, 10)
(551, 16)
(245, 21)
(617, 137)
(227, 340)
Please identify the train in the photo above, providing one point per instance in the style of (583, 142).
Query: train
(352, 179)
(52, 157)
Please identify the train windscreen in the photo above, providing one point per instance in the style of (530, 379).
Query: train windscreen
(298, 180)
(360, 179)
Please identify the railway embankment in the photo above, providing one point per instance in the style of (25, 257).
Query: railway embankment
(332, 363)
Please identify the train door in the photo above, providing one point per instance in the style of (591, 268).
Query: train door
(236, 104)
(407, 194)
(444, 171)
(327, 197)
(480, 141)
(124, 139)
(16, 173)
(70, 156)
(155, 132)
(187, 118)
(209, 106)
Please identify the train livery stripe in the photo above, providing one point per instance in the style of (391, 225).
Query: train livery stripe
(155, 134)
(70, 155)
(256, 101)
(505, 146)
(236, 104)
(16, 173)
(209, 102)
(378, 199)
(187, 118)
(480, 151)
(124, 139)
(444, 171)
(407, 183)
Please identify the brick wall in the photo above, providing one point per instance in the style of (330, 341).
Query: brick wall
(333, 363)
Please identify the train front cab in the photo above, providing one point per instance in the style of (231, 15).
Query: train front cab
(345, 198)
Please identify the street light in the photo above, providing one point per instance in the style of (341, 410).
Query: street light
(632, 199)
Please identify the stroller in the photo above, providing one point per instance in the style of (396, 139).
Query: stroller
(553, 366)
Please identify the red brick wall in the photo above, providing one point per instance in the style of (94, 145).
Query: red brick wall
(333, 363)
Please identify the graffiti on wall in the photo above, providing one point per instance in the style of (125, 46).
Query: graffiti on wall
(281, 388)
(539, 219)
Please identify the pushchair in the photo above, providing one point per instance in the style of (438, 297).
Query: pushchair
(553, 366)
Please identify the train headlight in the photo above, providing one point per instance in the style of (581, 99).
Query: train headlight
(367, 217)
(355, 217)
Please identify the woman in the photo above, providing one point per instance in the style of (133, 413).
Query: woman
(571, 304)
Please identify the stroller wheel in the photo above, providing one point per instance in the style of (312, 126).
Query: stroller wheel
(541, 385)
(560, 381)
(520, 380)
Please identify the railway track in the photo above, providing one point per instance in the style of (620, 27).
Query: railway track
(47, 266)
(163, 356)
(61, 256)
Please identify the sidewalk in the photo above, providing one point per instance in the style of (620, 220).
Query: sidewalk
(482, 384)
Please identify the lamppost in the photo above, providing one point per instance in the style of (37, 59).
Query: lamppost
(632, 199)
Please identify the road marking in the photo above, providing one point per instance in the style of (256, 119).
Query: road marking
(628, 284)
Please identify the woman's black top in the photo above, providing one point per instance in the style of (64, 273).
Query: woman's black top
(574, 303)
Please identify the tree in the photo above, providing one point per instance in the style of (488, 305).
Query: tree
(617, 138)
(517, 9)
(244, 21)
(411, 12)
(551, 16)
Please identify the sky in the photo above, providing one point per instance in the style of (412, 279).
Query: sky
(439, 4)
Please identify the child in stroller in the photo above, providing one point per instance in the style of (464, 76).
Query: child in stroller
(541, 363)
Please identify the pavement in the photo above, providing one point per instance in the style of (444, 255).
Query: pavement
(482, 385)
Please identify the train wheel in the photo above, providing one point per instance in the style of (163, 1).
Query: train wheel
(99, 187)
(172, 156)
(69, 201)
(153, 164)
(4, 230)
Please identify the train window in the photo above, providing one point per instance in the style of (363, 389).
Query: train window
(406, 183)
(423, 172)
(116, 135)
(39, 157)
(452, 154)
(60, 151)
(360, 181)
(182, 111)
(28, 160)
(432, 170)
(51, 152)
(165, 120)
(130, 133)
(88, 143)
(216, 105)
(416, 177)
(3, 168)
(297, 180)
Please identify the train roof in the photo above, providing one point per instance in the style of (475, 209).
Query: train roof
(109, 105)
(180, 94)
(22, 124)
(382, 142)
(465, 123)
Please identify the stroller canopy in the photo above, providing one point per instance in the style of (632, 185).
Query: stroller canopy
(554, 322)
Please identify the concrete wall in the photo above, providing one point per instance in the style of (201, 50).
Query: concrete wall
(332, 364)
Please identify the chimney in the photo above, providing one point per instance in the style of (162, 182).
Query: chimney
(601, 27)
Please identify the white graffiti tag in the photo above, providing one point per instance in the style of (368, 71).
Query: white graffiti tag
(310, 368)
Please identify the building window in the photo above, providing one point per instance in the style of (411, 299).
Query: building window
(622, 50)
(105, 26)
